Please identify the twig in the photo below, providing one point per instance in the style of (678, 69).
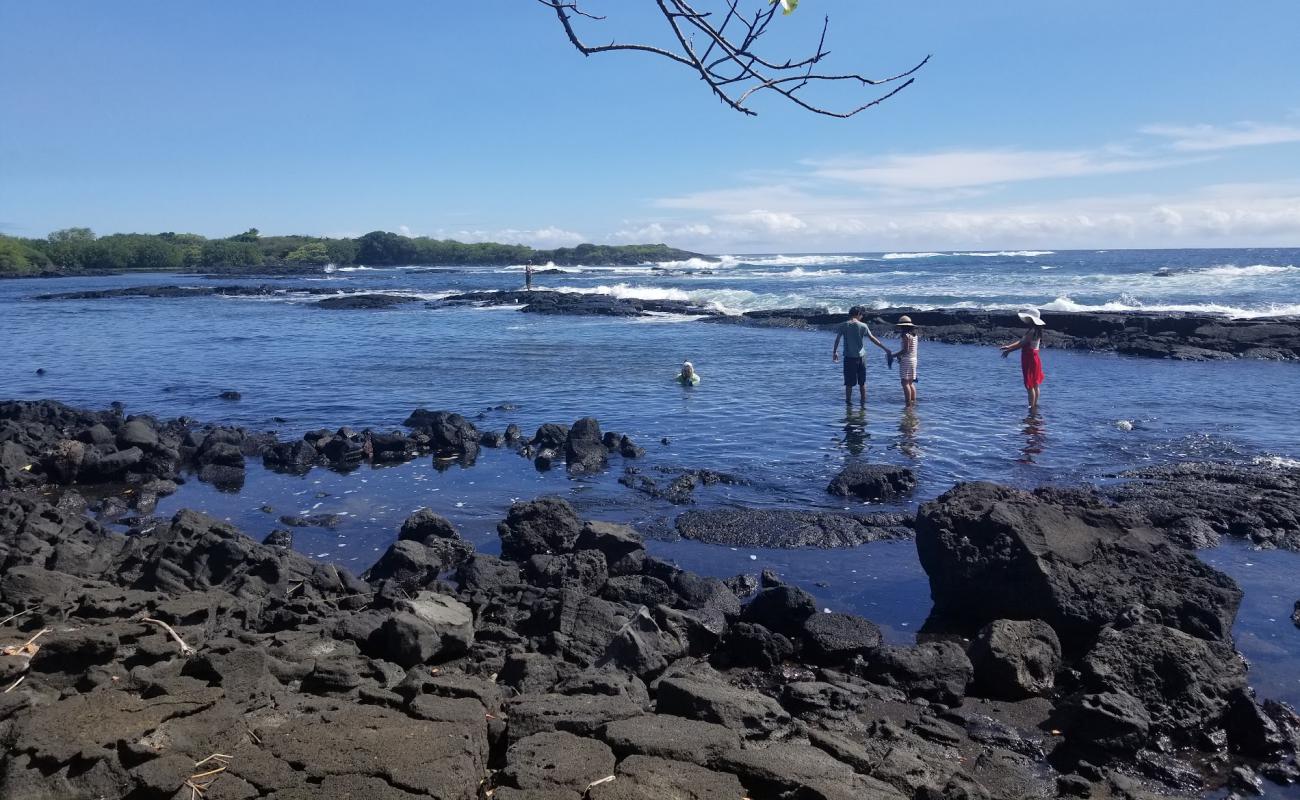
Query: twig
(186, 650)
(13, 617)
(730, 63)
(14, 685)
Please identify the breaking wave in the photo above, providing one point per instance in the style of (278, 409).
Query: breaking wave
(1130, 303)
(1009, 254)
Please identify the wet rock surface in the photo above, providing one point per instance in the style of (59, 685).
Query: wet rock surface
(1096, 659)
(364, 301)
(750, 527)
(572, 303)
(1199, 502)
(874, 482)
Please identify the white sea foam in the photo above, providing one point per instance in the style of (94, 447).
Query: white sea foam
(1252, 271)
(725, 301)
(1277, 462)
(798, 272)
(1130, 303)
(799, 261)
(1009, 254)
(893, 256)
(698, 263)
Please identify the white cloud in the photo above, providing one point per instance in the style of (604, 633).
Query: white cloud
(654, 232)
(1205, 138)
(1222, 215)
(547, 237)
(967, 168)
(957, 198)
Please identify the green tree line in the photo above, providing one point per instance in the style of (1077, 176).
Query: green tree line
(74, 251)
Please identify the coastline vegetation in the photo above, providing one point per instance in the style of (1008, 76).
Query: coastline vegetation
(77, 251)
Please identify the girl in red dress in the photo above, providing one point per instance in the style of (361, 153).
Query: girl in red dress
(1030, 364)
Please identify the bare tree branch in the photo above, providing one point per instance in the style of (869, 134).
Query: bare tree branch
(728, 60)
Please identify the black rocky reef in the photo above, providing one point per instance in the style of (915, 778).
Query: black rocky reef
(575, 665)
(1185, 337)
(573, 303)
(47, 443)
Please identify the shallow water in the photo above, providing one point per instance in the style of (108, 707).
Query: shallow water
(770, 408)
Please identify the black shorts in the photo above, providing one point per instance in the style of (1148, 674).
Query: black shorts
(855, 371)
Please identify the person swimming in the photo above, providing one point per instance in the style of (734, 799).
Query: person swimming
(688, 376)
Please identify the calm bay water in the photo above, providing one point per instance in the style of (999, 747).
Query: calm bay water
(769, 410)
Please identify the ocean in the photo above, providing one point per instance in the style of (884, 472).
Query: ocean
(769, 410)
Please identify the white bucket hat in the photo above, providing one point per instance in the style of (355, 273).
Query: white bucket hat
(687, 365)
(1031, 315)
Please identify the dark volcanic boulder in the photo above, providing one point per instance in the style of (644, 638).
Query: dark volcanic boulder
(427, 628)
(550, 436)
(449, 434)
(998, 553)
(1186, 684)
(757, 527)
(297, 456)
(424, 525)
(1014, 659)
(938, 671)
(836, 638)
(546, 525)
(584, 450)
(783, 609)
(876, 482)
(748, 713)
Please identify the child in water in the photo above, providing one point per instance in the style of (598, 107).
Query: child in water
(688, 376)
(1031, 366)
(906, 356)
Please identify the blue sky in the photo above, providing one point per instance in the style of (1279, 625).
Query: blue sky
(1062, 124)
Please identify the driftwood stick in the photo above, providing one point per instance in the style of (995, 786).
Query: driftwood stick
(13, 617)
(186, 650)
(14, 685)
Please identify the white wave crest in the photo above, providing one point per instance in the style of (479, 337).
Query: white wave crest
(1130, 303)
(1252, 271)
(1009, 254)
(893, 256)
(698, 263)
(1277, 462)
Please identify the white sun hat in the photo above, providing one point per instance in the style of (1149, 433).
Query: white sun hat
(1031, 315)
(687, 365)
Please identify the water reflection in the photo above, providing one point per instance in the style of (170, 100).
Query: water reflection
(1035, 433)
(908, 426)
(855, 429)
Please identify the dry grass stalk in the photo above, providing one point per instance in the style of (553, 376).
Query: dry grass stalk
(14, 685)
(199, 782)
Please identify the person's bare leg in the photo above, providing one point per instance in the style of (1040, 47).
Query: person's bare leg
(848, 395)
(862, 393)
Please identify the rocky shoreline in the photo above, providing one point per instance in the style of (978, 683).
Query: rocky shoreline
(1183, 337)
(1077, 647)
